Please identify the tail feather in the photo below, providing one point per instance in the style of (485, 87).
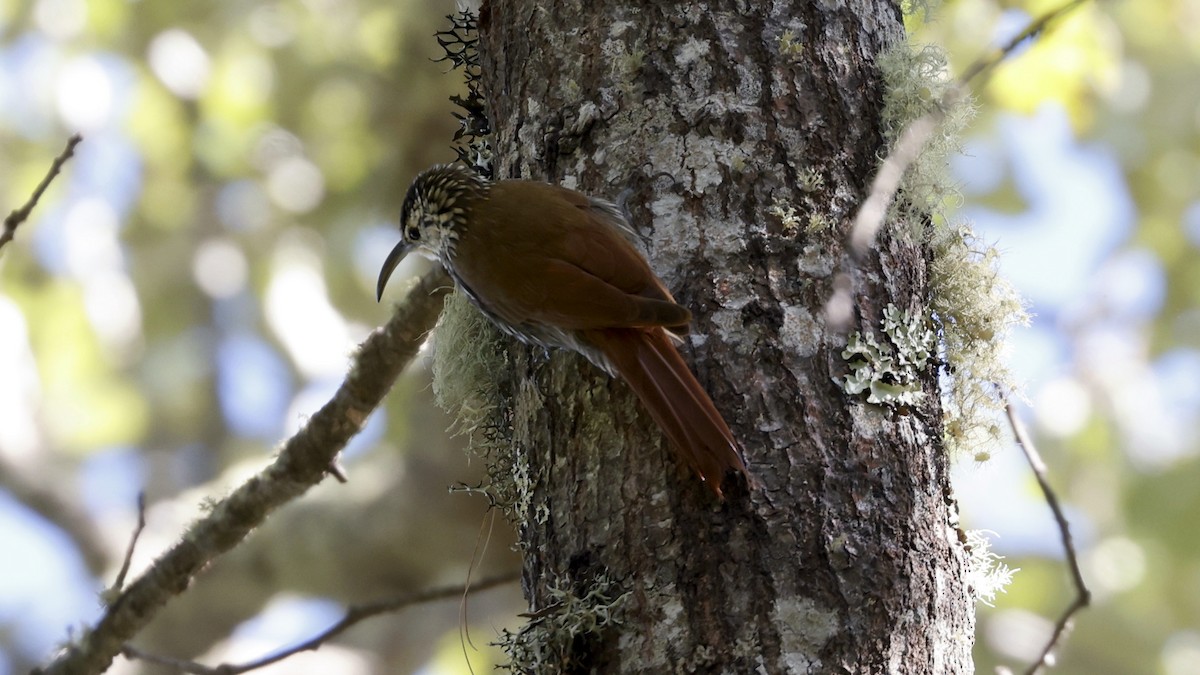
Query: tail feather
(656, 372)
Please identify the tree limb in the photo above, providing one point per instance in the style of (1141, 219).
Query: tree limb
(304, 460)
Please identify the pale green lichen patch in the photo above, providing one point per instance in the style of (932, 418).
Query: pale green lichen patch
(556, 638)
(468, 353)
(890, 373)
(790, 45)
(811, 179)
(793, 222)
(804, 630)
(819, 222)
(787, 216)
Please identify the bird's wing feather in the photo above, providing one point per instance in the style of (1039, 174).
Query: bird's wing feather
(575, 299)
(579, 273)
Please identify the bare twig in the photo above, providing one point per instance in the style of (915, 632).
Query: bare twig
(119, 583)
(1082, 595)
(176, 665)
(303, 462)
(354, 615)
(909, 145)
(20, 215)
(985, 64)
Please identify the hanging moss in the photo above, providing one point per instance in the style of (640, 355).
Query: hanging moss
(973, 307)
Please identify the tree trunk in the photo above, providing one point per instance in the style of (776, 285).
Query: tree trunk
(708, 116)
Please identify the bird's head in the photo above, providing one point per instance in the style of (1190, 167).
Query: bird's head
(434, 213)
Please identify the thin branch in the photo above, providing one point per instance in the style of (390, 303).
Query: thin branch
(985, 64)
(303, 462)
(354, 615)
(1082, 595)
(20, 215)
(916, 135)
(176, 665)
(119, 583)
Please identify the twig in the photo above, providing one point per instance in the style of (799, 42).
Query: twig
(354, 614)
(115, 590)
(1082, 595)
(22, 214)
(464, 632)
(985, 64)
(303, 462)
(916, 135)
(176, 665)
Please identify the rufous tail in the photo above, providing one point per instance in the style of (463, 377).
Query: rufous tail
(656, 372)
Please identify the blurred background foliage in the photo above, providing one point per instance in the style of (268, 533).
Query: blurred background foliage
(1084, 167)
(192, 285)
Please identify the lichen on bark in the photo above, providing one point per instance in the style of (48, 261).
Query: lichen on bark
(973, 306)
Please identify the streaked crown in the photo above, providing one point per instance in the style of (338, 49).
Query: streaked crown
(435, 208)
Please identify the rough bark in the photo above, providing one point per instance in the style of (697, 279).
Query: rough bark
(706, 114)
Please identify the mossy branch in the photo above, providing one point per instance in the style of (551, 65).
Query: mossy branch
(303, 462)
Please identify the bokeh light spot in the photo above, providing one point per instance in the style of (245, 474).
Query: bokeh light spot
(113, 309)
(296, 185)
(1063, 407)
(90, 238)
(219, 268)
(179, 62)
(85, 94)
(1114, 565)
(61, 19)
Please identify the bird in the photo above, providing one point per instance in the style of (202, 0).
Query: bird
(556, 268)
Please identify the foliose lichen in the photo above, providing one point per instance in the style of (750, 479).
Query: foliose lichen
(890, 373)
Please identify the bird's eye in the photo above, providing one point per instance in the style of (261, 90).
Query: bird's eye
(414, 233)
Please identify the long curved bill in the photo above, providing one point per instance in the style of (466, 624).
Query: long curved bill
(389, 266)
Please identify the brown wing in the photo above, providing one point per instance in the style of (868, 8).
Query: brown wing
(553, 260)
